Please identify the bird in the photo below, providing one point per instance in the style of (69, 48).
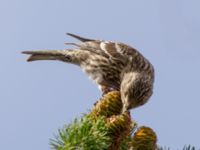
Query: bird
(111, 65)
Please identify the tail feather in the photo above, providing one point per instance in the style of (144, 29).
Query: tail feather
(39, 57)
(43, 55)
(43, 52)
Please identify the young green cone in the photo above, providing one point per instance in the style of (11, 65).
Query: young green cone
(110, 104)
(119, 125)
(144, 139)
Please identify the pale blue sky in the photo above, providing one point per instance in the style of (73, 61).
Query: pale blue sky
(38, 98)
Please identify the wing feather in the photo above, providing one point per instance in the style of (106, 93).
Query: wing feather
(106, 48)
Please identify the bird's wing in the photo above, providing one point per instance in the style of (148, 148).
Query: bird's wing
(82, 39)
(107, 48)
(87, 44)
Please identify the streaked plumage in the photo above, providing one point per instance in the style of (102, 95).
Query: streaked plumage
(112, 65)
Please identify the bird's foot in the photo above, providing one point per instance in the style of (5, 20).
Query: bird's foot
(125, 109)
(107, 90)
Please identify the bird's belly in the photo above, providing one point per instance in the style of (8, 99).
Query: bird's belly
(94, 74)
(96, 77)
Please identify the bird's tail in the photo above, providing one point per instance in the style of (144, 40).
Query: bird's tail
(44, 55)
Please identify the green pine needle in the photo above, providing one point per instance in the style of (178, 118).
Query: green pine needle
(82, 134)
(185, 148)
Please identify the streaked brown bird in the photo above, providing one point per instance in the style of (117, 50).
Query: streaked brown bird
(112, 65)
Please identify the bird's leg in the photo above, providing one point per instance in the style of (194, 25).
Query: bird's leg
(106, 89)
